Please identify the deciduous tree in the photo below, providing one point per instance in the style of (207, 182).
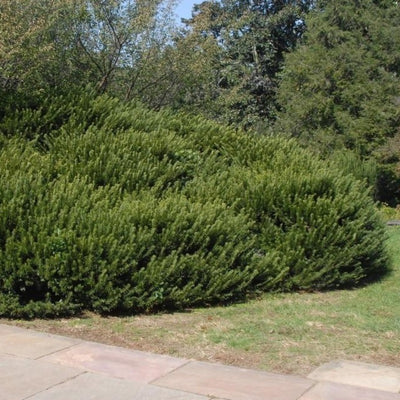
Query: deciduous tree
(252, 38)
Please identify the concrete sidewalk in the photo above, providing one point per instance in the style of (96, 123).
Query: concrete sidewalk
(38, 366)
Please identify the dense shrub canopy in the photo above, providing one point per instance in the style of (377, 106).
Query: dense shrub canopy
(114, 208)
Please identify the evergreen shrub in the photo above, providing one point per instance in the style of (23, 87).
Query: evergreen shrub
(115, 208)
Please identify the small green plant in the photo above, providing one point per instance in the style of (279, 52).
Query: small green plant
(389, 213)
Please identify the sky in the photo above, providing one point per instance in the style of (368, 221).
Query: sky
(184, 8)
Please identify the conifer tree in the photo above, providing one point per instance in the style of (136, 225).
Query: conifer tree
(341, 87)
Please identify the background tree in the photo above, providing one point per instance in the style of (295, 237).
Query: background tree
(252, 38)
(36, 44)
(340, 88)
(188, 69)
(114, 36)
(56, 45)
(224, 64)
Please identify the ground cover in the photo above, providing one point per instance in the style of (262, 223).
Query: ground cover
(291, 333)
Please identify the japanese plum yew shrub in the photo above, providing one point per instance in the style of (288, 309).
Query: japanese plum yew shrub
(114, 208)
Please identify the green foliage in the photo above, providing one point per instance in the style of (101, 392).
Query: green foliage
(389, 213)
(350, 162)
(113, 208)
(388, 158)
(48, 47)
(237, 48)
(340, 88)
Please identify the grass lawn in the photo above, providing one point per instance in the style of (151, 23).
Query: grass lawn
(291, 333)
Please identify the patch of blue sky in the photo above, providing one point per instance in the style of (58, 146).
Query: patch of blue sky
(184, 8)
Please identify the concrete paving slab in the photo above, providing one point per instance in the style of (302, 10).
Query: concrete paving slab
(21, 377)
(117, 362)
(95, 387)
(359, 374)
(234, 383)
(32, 344)
(337, 391)
(121, 374)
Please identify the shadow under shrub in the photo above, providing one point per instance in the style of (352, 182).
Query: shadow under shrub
(132, 210)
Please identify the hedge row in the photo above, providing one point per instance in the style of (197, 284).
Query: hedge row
(111, 207)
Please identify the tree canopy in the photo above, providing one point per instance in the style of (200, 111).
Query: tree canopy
(340, 88)
(52, 45)
(251, 38)
(342, 84)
